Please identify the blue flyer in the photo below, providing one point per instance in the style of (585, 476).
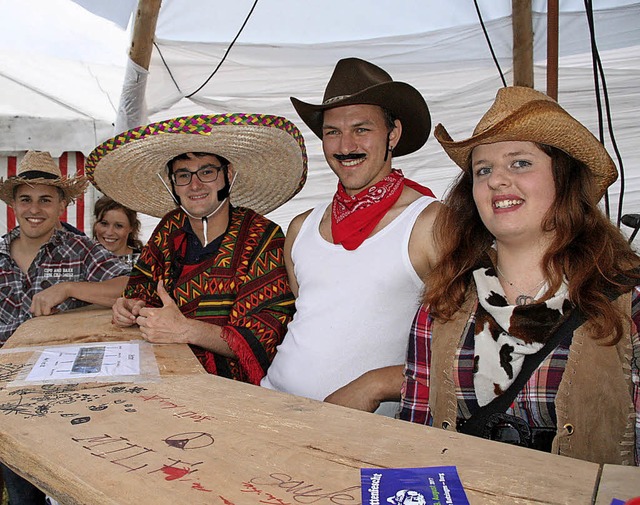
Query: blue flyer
(437, 485)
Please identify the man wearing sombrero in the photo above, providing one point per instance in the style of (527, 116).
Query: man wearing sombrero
(212, 274)
(44, 267)
(356, 264)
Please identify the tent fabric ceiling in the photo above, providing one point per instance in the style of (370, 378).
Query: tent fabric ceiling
(61, 86)
(450, 65)
(61, 73)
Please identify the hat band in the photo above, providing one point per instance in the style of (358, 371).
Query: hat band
(335, 99)
(38, 174)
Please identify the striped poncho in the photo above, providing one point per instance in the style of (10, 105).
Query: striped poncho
(243, 287)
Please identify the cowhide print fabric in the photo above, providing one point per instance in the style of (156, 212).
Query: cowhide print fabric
(505, 334)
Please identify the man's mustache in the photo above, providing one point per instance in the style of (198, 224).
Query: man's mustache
(350, 156)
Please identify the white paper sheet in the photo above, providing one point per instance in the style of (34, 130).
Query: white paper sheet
(86, 361)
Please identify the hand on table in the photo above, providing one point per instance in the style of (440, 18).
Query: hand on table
(44, 303)
(125, 311)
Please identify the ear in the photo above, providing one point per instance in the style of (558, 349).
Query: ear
(395, 134)
(63, 205)
(230, 171)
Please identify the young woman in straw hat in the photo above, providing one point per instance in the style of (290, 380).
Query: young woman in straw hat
(524, 248)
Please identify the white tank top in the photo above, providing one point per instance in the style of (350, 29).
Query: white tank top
(354, 308)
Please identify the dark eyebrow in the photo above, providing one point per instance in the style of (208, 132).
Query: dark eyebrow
(520, 153)
(511, 154)
(207, 165)
(364, 122)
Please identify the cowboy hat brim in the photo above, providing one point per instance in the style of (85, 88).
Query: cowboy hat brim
(267, 154)
(402, 99)
(543, 122)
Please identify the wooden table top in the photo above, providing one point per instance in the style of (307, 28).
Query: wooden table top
(616, 481)
(195, 438)
(207, 440)
(93, 324)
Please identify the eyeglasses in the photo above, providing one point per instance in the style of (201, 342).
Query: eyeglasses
(205, 174)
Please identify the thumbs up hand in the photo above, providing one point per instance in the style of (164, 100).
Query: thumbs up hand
(163, 325)
(165, 298)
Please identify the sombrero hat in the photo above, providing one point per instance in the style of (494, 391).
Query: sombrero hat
(38, 167)
(267, 153)
(524, 114)
(355, 81)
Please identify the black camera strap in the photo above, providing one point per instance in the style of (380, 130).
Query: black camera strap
(563, 334)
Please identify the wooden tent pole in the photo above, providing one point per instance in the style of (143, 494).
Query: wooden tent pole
(552, 48)
(522, 43)
(144, 30)
(131, 109)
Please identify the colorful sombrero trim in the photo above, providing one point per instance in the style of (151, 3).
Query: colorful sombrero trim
(200, 124)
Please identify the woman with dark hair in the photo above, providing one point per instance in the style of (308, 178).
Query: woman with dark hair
(528, 331)
(117, 228)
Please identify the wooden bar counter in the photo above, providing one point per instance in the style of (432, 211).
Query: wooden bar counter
(194, 438)
(93, 324)
(616, 481)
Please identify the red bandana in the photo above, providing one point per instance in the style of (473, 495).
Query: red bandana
(353, 218)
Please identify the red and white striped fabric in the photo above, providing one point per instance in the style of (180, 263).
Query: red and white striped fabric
(79, 214)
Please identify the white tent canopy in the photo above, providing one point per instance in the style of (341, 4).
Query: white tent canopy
(438, 47)
(289, 48)
(61, 73)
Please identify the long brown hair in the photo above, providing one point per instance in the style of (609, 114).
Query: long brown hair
(587, 248)
(104, 204)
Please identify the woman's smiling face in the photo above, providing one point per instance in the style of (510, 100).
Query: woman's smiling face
(113, 230)
(513, 188)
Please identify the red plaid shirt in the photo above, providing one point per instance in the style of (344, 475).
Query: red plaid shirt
(535, 403)
(65, 257)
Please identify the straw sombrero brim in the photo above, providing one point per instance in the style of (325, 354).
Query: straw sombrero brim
(544, 122)
(402, 99)
(267, 154)
(72, 187)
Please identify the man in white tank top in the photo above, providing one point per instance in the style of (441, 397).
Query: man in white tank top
(356, 264)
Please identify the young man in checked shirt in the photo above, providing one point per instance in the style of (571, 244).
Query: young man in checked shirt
(44, 268)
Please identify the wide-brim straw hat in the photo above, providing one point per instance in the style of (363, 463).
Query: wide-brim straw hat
(355, 81)
(38, 167)
(267, 153)
(524, 114)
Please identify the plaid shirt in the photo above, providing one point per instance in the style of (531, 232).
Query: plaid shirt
(65, 257)
(535, 403)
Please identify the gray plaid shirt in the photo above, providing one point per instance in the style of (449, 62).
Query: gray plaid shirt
(67, 257)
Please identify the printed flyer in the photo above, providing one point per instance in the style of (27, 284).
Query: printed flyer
(438, 485)
(87, 360)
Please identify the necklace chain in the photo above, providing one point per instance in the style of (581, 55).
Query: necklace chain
(523, 298)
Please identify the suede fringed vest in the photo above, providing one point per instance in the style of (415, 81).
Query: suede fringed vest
(594, 404)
